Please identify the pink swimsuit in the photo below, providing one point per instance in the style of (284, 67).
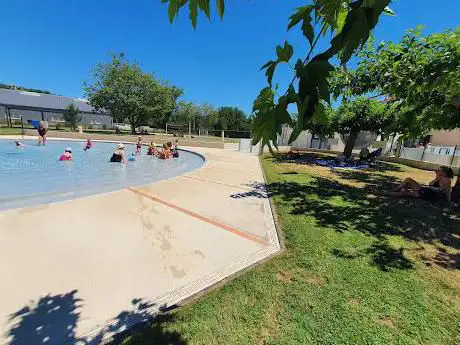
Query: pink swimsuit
(65, 157)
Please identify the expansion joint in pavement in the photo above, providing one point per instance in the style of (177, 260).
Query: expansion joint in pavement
(195, 215)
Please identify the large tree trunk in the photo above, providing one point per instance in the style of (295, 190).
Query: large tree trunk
(347, 151)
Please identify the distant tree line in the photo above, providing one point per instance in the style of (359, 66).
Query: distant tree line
(131, 95)
(22, 88)
(206, 117)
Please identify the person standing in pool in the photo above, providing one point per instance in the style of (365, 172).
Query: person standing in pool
(119, 155)
(67, 155)
(42, 133)
(139, 145)
(88, 145)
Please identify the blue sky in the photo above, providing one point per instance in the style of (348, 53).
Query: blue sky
(54, 44)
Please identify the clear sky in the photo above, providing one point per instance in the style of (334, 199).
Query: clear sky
(54, 44)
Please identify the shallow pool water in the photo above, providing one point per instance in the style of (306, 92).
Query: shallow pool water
(34, 175)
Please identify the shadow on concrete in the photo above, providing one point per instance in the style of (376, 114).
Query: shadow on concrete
(53, 319)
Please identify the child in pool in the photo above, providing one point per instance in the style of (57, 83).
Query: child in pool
(152, 150)
(139, 145)
(174, 149)
(88, 145)
(133, 157)
(165, 153)
(67, 155)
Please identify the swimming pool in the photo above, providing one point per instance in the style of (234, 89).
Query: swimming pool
(33, 174)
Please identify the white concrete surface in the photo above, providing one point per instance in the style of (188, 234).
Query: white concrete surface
(69, 269)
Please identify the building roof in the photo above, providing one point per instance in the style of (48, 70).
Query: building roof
(42, 100)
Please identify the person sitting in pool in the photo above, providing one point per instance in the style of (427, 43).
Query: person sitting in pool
(42, 133)
(174, 149)
(165, 153)
(119, 155)
(67, 155)
(88, 145)
(139, 145)
(440, 186)
(152, 150)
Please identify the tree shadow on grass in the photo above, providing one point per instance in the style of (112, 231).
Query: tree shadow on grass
(384, 256)
(53, 319)
(344, 207)
(310, 158)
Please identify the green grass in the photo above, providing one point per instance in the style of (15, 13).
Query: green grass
(10, 131)
(358, 269)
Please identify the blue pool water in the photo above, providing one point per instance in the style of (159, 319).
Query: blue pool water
(33, 175)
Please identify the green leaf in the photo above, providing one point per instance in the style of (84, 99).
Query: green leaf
(267, 65)
(361, 19)
(220, 7)
(284, 53)
(204, 6)
(329, 11)
(264, 100)
(320, 116)
(303, 14)
(388, 11)
(172, 10)
(193, 7)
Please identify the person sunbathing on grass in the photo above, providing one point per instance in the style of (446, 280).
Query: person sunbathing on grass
(440, 186)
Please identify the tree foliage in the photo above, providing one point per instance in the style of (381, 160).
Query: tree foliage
(349, 21)
(207, 117)
(130, 94)
(420, 76)
(71, 116)
(231, 118)
(360, 114)
(22, 88)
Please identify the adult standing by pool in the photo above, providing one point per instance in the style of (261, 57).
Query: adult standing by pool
(42, 129)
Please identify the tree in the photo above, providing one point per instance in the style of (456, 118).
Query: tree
(22, 88)
(231, 118)
(71, 116)
(128, 93)
(360, 114)
(349, 21)
(187, 112)
(420, 77)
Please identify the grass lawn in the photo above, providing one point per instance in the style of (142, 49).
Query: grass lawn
(359, 268)
(10, 131)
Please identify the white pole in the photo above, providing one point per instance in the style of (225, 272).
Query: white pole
(166, 128)
(223, 136)
(190, 128)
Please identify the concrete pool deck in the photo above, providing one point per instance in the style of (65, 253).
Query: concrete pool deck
(82, 270)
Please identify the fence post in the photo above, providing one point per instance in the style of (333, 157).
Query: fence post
(222, 133)
(166, 128)
(423, 153)
(8, 117)
(453, 156)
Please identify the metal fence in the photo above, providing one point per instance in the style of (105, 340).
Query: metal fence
(442, 155)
